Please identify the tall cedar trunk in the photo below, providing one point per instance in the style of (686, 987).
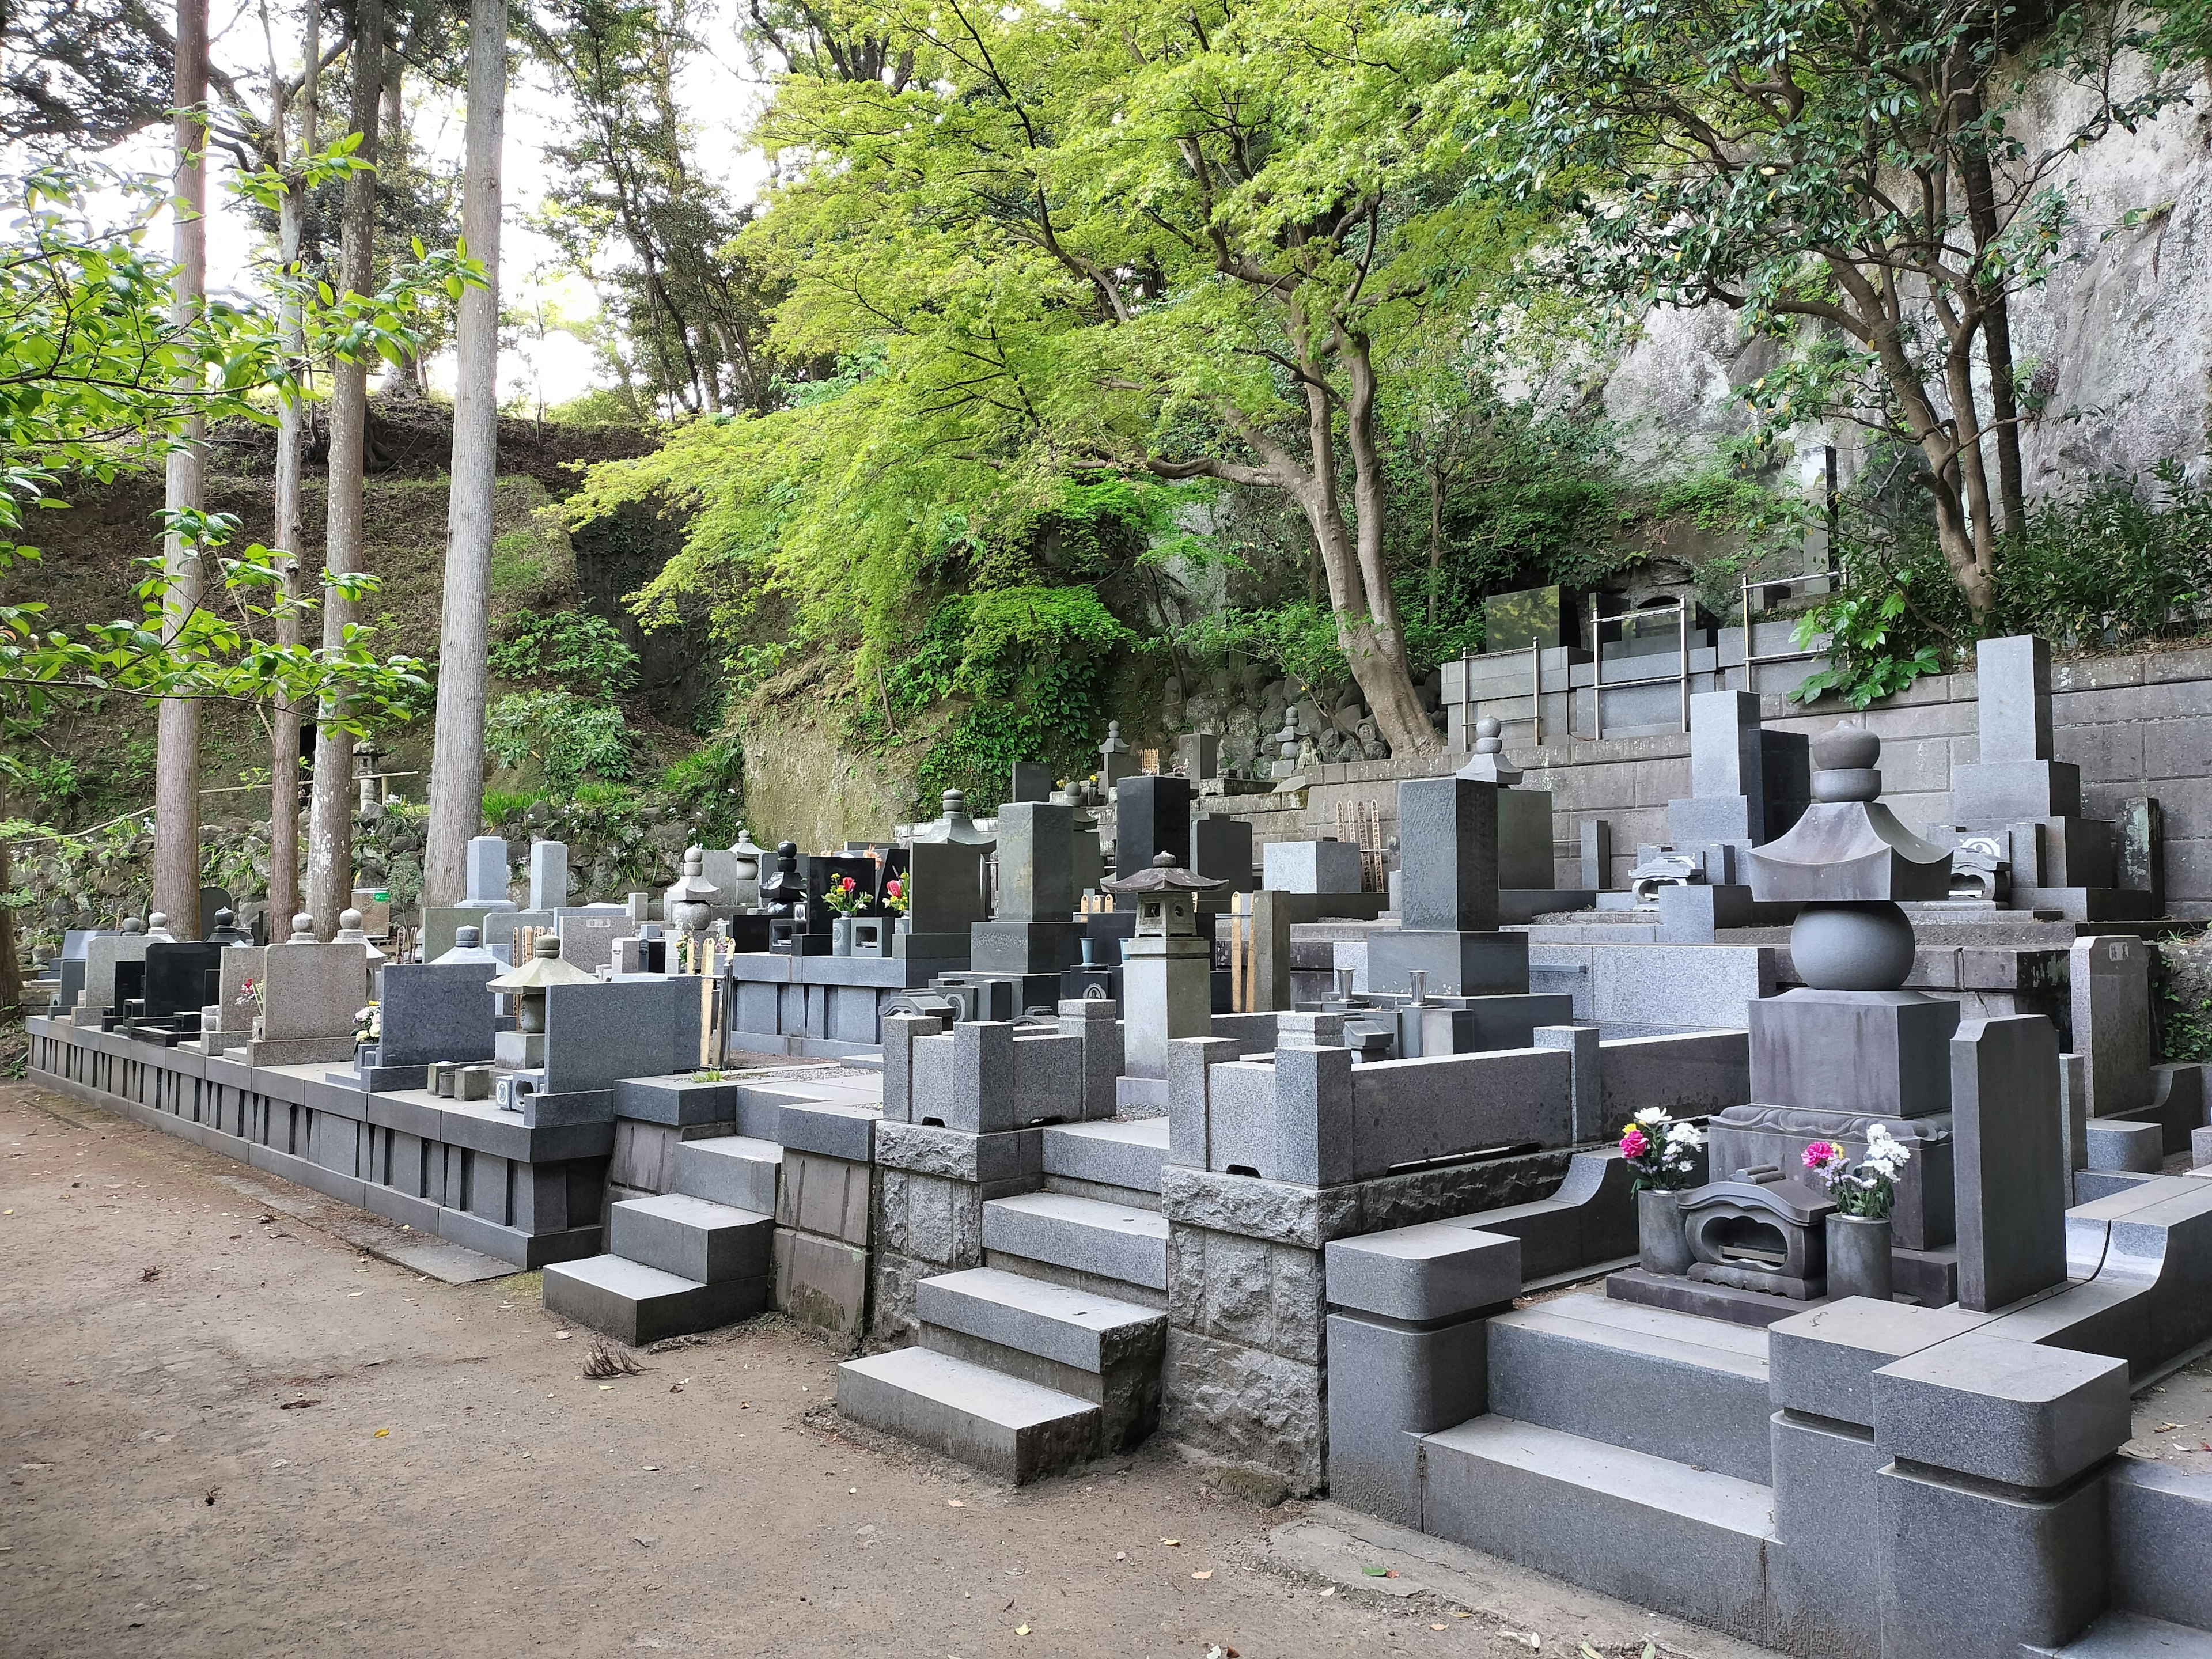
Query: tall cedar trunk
(285, 723)
(177, 762)
(1434, 469)
(405, 380)
(11, 971)
(457, 766)
(329, 814)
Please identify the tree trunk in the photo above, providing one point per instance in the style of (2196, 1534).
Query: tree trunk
(456, 765)
(330, 817)
(177, 762)
(11, 971)
(1434, 469)
(1997, 326)
(284, 721)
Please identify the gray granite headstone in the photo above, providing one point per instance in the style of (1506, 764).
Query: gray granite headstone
(487, 875)
(2009, 1152)
(1036, 863)
(313, 990)
(549, 875)
(435, 1011)
(1448, 862)
(597, 1035)
(588, 934)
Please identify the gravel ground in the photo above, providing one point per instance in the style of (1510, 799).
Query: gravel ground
(351, 1458)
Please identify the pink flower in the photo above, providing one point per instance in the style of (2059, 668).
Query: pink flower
(894, 888)
(1820, 1153)
(847, 884)
(1634, 1143)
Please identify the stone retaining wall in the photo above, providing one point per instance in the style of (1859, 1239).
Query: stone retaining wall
(2138, 724)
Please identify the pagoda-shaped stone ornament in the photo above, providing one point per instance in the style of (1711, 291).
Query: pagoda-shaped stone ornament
(691, 899)
(525, 1045)
(953, 824)
(1850, 863)
(1166, 968)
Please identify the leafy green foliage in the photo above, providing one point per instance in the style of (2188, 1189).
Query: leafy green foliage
(1028, 660)
(570, 735)
(585, 654)
(709, 785)
(2109, 564)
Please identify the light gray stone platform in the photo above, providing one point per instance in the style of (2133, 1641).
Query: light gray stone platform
(2130, 1636)
(1651, 1531)
(1672, 1385)
(637, 1304)
(1082, 1236)
(734, 1169)
(1001, 1425)
(1112, 1153)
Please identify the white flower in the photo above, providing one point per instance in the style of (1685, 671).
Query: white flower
(1885, 1154)
(1688, 1136)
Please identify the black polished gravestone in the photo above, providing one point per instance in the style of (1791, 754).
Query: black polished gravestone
(180, 979)
(129, 988)
(1152, 815)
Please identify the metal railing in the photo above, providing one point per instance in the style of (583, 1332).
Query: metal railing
(1680, 607)
(1536, 695)
(1752, 658)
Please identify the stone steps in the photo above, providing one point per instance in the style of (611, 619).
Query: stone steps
(2131, 1636)
(1005, 1426)
(694, 1238)
(1653, 1532)
(733, 1169)
(1090, 1348)
(1109, 1243)
(1674, 1385)
(636, 1304)
(1112, 1153)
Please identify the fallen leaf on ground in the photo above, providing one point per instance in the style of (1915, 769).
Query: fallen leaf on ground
(676, 1388)
(1456, 1613)
(298, 1405)
(1172, 1543)
(1021, 1630)
(213, 1493)
(380, 1434)
(2163, 1427)
(1209, 1573)
(562, 1336)
(1440, 1627)
(149, 1275)
(1331, 1590)
(956, 1504)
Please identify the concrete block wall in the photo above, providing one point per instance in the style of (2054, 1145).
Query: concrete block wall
(2136, 723)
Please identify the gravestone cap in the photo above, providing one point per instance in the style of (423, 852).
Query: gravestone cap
(1848, 847)
(157, 928)
(303, 930)
(1113, 746)
(1486, 762)
(132, 925)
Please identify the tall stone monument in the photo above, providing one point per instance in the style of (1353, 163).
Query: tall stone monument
(1747, 785)
(1166, 973)
(1448, 897)
(1852, 1048)
(2018, 804)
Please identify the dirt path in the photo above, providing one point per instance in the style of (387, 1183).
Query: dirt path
(229, 1432)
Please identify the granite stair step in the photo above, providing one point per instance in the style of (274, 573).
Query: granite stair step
(692, 1237)
(734, 1169)
(1690, 1390)
(1115, 1154)
(1014, 1430)
(2132, 1636)
(1652, 1532)
(636, 1304)
(1094, 1347)
(1084, 1236)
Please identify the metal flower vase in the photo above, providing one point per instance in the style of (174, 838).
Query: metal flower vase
(1661, 1245)
(1858, 1256)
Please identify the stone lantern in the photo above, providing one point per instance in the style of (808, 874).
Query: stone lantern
(691, 900)
(1167, 987)
(527, 985)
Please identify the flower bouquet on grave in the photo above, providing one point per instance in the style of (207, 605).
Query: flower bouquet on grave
(846, 896)
(895, 896)
(1867, 1189)
(368, 1024)
(1660, 1153)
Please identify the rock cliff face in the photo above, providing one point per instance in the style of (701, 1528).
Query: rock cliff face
(2117, 346)
(803, 785)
